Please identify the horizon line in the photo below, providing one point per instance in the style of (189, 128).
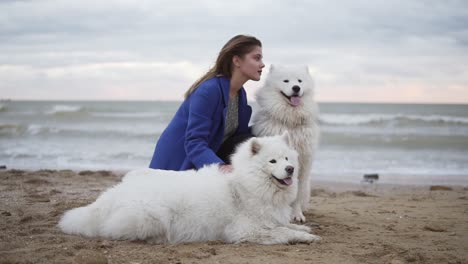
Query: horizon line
(159, 100)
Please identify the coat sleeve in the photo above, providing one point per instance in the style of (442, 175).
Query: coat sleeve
(200, 120)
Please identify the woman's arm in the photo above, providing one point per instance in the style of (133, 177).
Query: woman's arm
(201, 112)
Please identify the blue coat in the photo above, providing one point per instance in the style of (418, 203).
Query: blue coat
(195, 133)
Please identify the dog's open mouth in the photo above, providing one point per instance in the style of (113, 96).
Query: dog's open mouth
(294, 100)
(286, 181)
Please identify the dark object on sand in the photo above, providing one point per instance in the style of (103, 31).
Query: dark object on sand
(440, 188)
(371, 177)
(435, 228)
(2, 167)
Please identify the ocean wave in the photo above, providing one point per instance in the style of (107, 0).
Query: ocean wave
(71, 110)
(383, 119)
(84, 131)
(127, 156)
(10, 128)
(38, 129)
(394, 141)
(65, 109)
(126, 114)
(19, 129)
(439, 119)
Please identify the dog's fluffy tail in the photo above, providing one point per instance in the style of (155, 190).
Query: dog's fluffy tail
(81, 221)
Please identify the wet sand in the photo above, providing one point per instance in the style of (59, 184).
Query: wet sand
(362, 223)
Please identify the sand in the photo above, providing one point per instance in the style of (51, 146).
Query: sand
(362, 223)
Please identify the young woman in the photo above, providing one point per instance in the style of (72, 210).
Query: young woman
(214, 116)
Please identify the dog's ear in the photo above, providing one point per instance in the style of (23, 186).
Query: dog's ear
(306, 69)
(285, 137)
(271, 67)
(254, 146)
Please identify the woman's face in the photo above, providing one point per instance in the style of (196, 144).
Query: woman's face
(251, 64)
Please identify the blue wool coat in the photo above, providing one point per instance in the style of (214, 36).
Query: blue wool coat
(195, 133)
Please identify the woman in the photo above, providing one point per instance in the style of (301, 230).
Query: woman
(214, 116)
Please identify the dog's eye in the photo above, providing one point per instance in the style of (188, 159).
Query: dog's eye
(286, 158)
(299, 80)
(273, 161)
(286, 81)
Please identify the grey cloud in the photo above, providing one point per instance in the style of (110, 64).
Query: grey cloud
(362, 41)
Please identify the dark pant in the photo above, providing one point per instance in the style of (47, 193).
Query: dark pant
(229, 146)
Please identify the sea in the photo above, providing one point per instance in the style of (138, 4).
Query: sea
(401, 143)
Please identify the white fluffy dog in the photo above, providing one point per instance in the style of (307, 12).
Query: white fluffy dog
(287, 104)
(250, 204)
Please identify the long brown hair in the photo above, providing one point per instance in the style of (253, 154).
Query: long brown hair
(237, 46)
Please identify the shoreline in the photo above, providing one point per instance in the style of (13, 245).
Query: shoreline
(359, 223)
(354, 180)
(395, 179)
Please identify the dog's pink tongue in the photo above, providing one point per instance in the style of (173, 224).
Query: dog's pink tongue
(288, 180)
(295, 100)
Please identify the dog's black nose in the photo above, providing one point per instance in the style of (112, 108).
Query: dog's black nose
(296, 88)
(289, 170)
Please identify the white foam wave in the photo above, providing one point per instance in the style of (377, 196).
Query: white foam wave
(35, 129)
(350, 119)
(123, 131)
(123, 114)
(60, 109)
(9, 128)
(440, 119)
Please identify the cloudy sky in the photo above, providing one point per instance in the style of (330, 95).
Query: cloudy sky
(357, 51)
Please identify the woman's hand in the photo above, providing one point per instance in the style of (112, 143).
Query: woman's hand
(225, 168)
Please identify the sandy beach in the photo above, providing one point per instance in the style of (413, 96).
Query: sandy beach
(362, 223)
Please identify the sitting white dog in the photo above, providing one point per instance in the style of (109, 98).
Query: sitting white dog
(250, 204)
(286, 103)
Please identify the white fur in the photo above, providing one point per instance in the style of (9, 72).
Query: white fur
(187, 206)
(277, 114)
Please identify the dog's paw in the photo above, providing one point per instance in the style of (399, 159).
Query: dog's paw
(307, 238)
(313, 238)
(299, 217)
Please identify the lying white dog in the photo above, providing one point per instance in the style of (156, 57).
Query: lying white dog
(287, 104)
(251, 204)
